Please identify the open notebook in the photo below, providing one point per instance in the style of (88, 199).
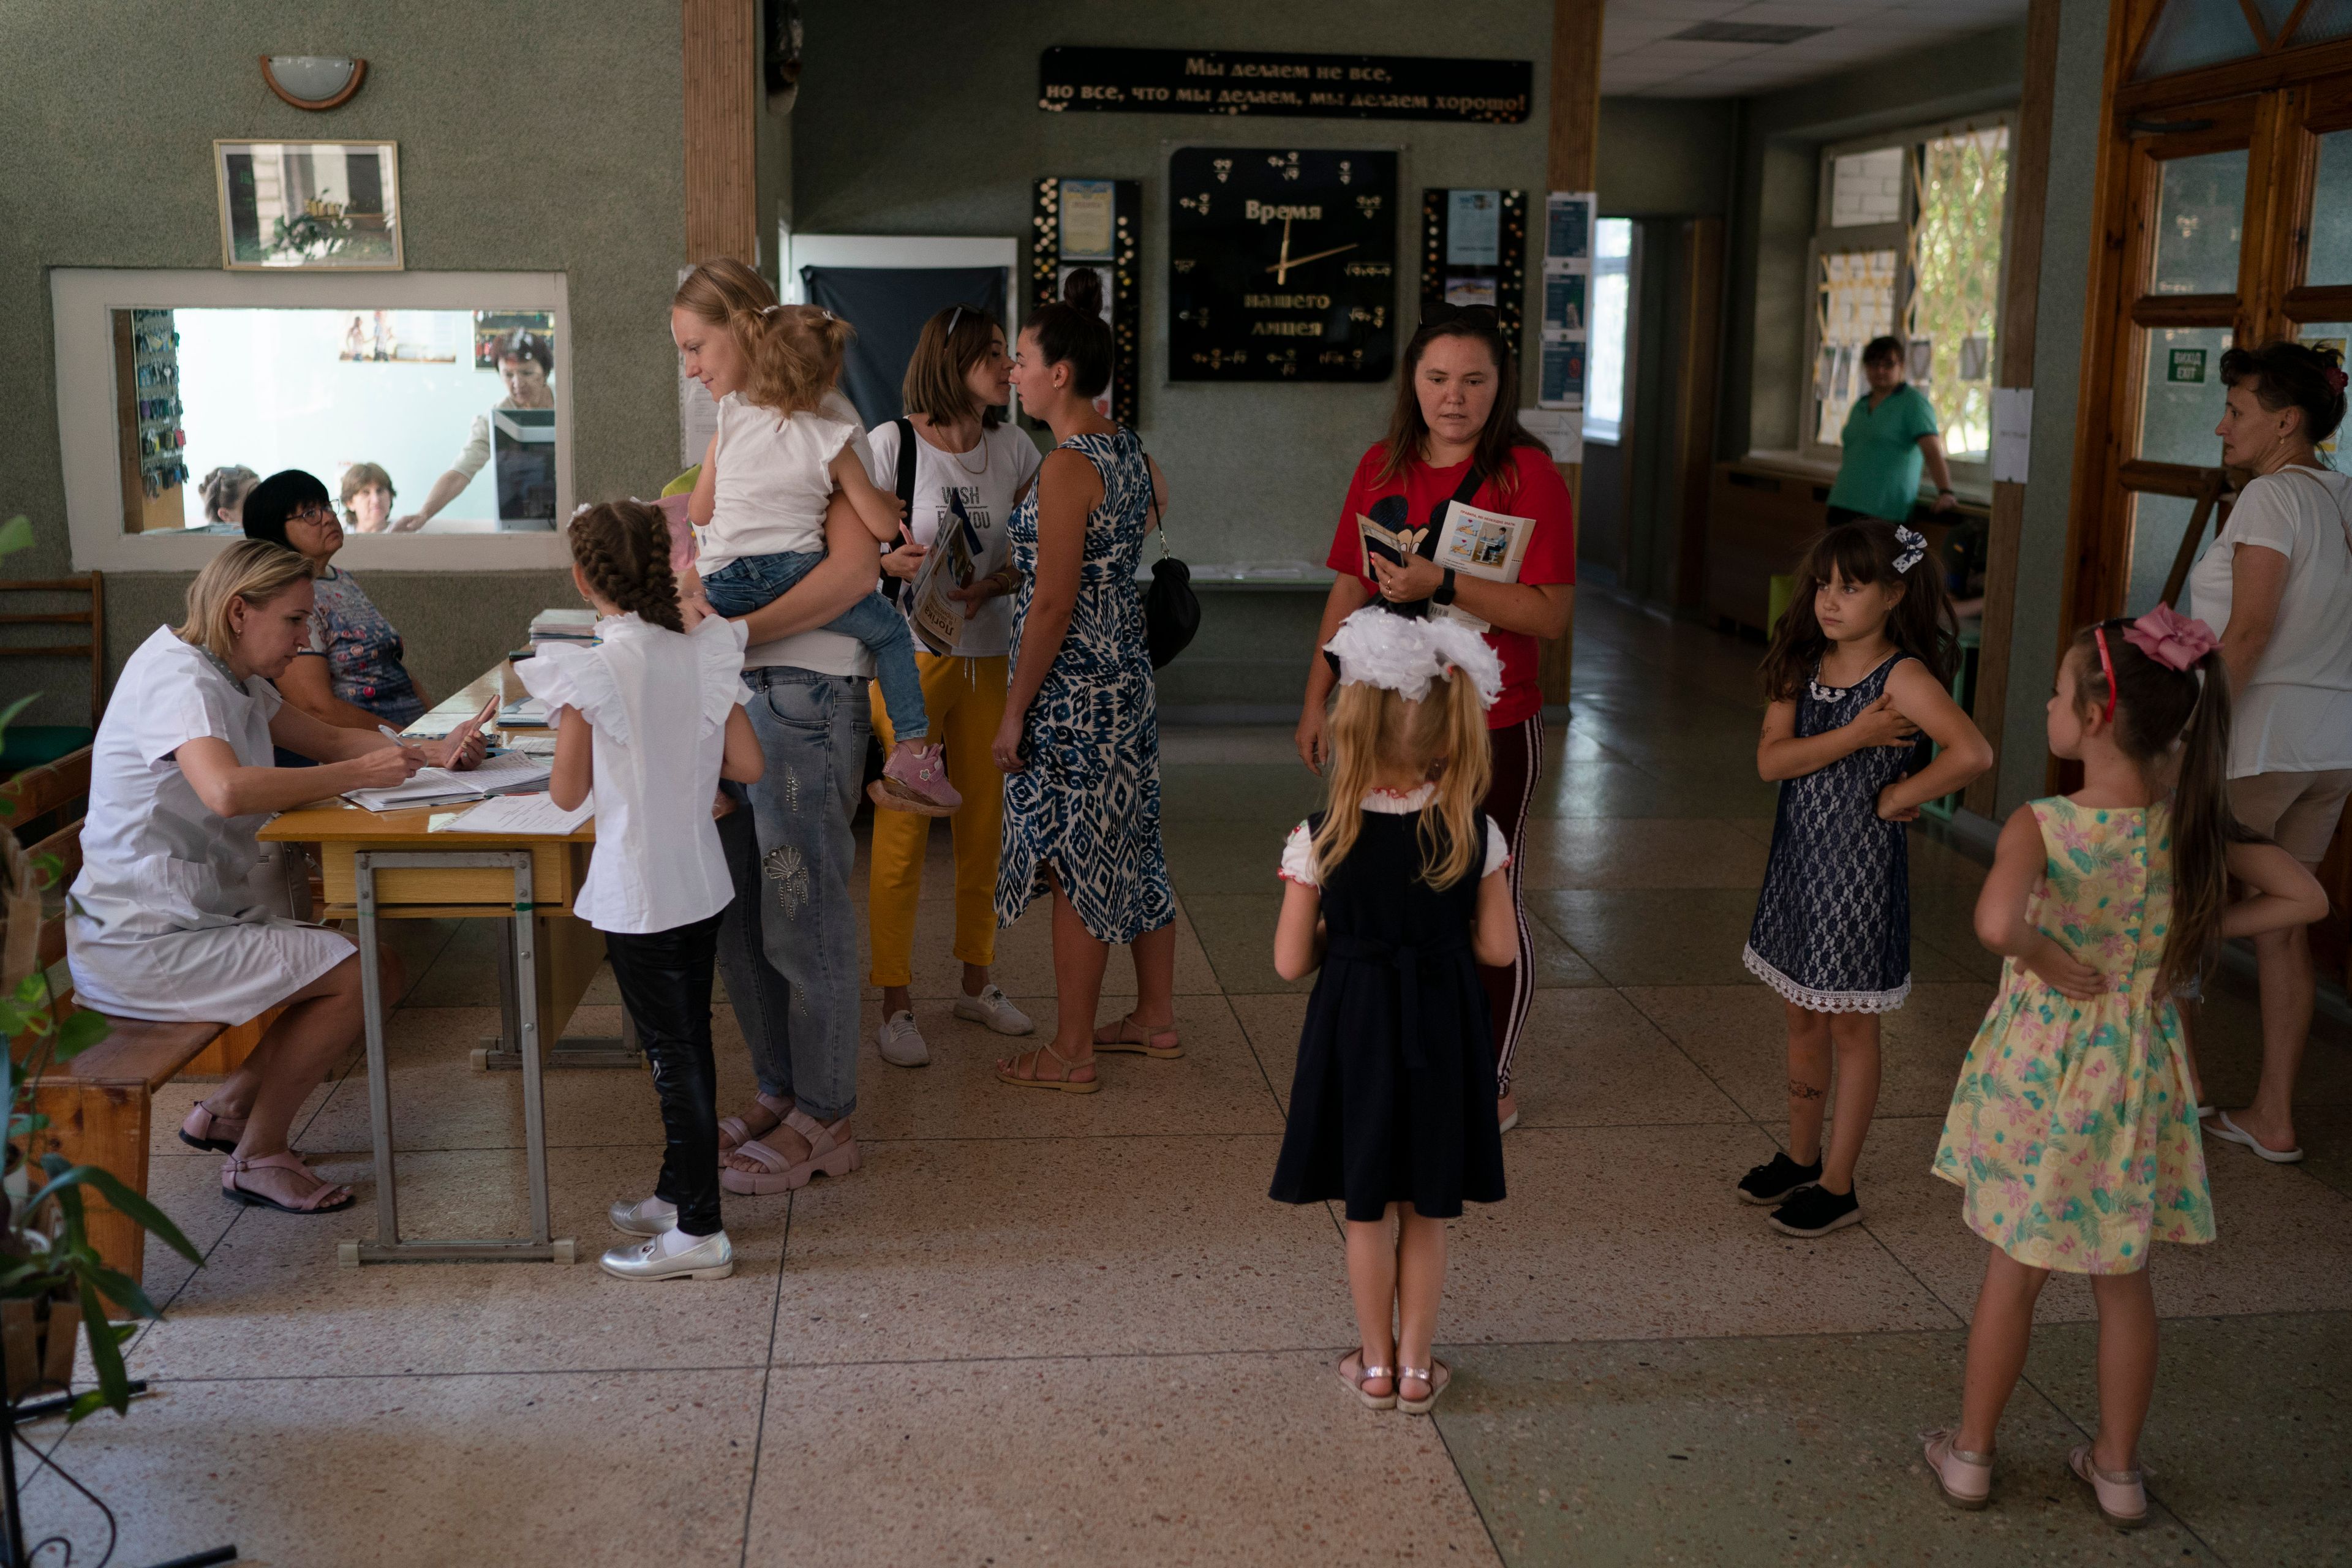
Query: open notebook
(502, 774)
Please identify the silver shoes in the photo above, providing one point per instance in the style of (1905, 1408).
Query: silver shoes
(712, 1258)
(641, 1218)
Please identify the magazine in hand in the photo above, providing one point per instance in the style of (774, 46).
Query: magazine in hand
(951, 563)
(1476, 542)
(1392, 545)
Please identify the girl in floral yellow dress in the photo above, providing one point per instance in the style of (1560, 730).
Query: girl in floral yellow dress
(2073, 1130)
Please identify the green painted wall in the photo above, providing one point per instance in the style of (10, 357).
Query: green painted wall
(534, 135)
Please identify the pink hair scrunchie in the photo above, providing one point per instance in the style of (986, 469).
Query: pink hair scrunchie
(2171, 638)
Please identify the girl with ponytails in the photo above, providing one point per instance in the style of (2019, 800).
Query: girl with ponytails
(786, 440)
(1860, 665)
(2073, 1132)
(1398, 891)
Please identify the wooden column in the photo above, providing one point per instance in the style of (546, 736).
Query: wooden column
(721, 40)
(1570, 164)
(1702, 356)
(2029, 189)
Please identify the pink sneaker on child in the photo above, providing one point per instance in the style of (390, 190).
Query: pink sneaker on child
(916, 778)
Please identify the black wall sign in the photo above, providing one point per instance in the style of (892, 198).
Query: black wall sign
(1253, 81)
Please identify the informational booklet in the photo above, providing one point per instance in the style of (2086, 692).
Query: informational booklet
(521, 814)
(500, 774)
(1476, 542)
(951, 563)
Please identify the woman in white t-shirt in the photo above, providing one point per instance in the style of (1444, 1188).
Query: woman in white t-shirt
(971, 469)
(2277, 585)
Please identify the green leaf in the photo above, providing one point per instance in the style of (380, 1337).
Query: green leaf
(106, 1355)
(65, 1178)
(80, 1031)
(89, 1404)
(16, 534)
(16, 707)
(119, 1288)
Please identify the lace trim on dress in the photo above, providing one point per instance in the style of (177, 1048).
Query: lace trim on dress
(1814, 1001)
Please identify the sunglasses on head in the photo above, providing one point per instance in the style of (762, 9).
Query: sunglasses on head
(1442, 314)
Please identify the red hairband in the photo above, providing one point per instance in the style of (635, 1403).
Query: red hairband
(2107, 667)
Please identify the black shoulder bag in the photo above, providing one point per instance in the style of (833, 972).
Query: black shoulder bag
(1172, 611)
(898, 592)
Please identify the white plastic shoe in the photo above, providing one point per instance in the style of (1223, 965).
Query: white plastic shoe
(710, 1257)
(647, 1216)
(994, 1008)
(902, 1043)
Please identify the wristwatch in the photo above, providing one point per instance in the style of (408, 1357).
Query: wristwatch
(1444, 594)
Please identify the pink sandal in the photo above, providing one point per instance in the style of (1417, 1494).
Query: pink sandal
(316, 1201)
(2121, 1495)
(1365, 1372)
(1160, 1045)
(214, 1134)
(1965, 1478)
(734, 1132)
(829, 1156)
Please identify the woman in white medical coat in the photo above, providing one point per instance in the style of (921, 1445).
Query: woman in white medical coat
(165, 921)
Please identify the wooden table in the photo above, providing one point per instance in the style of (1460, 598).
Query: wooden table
(394, 865)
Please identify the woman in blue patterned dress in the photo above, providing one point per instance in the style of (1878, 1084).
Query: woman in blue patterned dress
(1080, 740)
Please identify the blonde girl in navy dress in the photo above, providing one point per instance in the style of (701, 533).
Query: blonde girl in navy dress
(1859, 666)
(1398, 893)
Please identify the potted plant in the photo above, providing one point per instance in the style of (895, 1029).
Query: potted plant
(51, 1279)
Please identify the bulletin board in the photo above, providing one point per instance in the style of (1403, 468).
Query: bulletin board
(1473, 251)
(1095, 225)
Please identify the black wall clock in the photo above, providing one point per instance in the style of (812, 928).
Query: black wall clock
(1281, 265)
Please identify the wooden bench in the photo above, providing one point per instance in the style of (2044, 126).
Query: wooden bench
(101, 1105)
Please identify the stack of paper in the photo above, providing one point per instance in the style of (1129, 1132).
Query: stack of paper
(500, 774)
(563, 625)
(521, 814)
(529, 713)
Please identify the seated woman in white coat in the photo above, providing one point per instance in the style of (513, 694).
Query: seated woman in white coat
(165, 921)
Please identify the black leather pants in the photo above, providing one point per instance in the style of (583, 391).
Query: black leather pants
(665, 978)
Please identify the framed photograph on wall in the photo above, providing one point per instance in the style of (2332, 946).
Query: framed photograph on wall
(308, 205)
(1473, 251)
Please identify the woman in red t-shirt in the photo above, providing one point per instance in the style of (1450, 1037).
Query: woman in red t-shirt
(1455, 431)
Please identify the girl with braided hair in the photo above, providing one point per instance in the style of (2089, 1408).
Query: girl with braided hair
(648, 720)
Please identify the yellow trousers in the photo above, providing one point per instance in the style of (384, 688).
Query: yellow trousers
(965, 700)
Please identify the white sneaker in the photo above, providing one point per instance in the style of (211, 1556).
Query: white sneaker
(992, 1008)
(902, 1043)
(710, 1257)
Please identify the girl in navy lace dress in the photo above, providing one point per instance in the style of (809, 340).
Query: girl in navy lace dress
(1860, 665)
(1399, 891)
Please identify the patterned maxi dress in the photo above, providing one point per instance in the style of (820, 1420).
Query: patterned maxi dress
(1087, 803)
(1832, 929)
(2073, 1132)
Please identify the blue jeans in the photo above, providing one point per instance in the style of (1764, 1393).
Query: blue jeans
(744, 584)
(788, 945)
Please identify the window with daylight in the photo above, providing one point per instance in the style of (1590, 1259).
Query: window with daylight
(1604, 392)
(1906, 242)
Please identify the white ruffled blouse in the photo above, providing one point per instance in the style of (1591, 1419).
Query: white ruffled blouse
(658, 703)
(1298, 849)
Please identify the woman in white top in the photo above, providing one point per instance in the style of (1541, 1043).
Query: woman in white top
(2277, 585)
(649, 719)
(526, 367)
(970, 469)
(167, 920)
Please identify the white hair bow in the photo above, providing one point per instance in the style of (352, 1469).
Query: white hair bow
(1376, 647)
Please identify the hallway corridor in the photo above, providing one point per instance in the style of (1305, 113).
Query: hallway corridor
(1050, 1329)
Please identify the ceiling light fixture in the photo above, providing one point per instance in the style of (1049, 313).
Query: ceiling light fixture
(314, 82)
(1743, 33)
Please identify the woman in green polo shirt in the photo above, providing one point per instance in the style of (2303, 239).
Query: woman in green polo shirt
(1888, 434)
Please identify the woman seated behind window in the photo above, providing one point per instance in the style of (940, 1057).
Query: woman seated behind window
(366, 496)
(350, 675)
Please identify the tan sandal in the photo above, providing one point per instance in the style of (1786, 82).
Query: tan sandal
(1159, 1045)
(1011, 1073)
(1365, 1372)
(1437, 1375)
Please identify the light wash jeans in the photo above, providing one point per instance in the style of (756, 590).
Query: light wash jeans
(789, 944)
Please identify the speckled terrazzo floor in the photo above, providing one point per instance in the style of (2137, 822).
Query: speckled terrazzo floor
(1052, 1329)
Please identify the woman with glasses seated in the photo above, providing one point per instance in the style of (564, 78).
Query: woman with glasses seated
(350, 675)
(1456, 436)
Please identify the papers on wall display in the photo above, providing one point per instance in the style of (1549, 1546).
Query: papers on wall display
(521, 814)
(1567, 279)
(2012, 433)
(506, 772)
(951, 563)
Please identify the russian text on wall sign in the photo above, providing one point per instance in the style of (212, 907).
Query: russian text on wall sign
(1252, 81)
